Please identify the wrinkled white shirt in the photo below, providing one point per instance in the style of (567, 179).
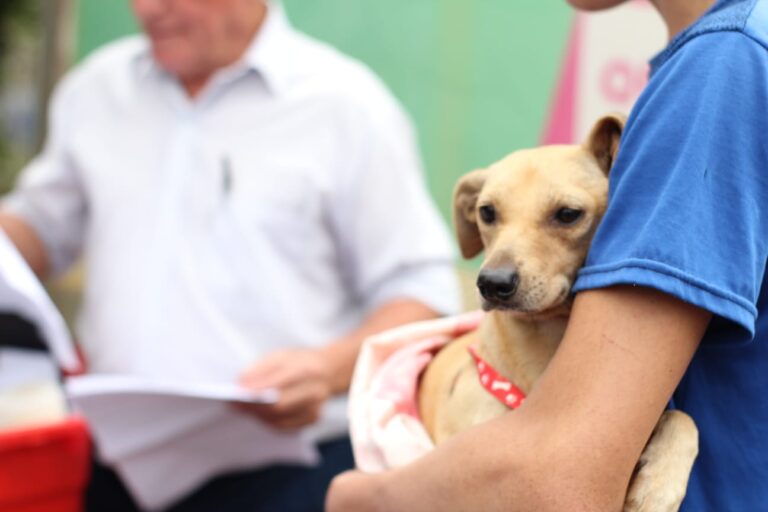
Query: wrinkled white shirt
(275, 210)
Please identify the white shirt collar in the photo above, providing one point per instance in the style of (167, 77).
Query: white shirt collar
(268, 54)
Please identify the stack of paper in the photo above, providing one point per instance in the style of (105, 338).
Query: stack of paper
(165, 438)
(21, 293)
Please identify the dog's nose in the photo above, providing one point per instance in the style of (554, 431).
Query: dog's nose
(497, 285)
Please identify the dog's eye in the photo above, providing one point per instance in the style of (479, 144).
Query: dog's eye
(568, 215)
(488, 214)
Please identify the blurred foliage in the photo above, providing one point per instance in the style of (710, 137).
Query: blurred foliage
(16, 18)
(10, 164)
(15, 15)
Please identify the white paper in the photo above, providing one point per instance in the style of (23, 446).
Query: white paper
(21, 293)
(166, 438)
(159, 476)
(103, 384)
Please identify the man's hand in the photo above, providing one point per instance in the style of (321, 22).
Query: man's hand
(306, 378)
(303, 379)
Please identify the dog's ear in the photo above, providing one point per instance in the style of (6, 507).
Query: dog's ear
(464, 214)
(603, 140)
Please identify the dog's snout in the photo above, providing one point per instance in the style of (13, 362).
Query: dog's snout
(498, 285)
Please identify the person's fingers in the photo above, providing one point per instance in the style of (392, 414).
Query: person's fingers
(304, 418)
(284, 369)
(285, 420)
(288, 399)
(258, 410)
(300, 376)
(265, 371)
(297, 397)
(275, 377)
(298, 401)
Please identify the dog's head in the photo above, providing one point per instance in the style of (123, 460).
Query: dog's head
(534, 214)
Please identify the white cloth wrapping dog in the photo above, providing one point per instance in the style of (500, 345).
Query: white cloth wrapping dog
(385, 427)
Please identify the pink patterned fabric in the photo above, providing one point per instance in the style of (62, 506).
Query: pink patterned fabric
(384, 422)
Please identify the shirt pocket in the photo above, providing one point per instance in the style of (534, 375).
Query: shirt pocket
(274, 204)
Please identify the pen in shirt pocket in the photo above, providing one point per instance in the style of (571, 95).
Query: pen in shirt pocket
(226, 178)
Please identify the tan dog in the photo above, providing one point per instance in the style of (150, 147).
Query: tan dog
(534, 213)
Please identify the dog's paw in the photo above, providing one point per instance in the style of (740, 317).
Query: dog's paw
(661, 479)
(652, 494)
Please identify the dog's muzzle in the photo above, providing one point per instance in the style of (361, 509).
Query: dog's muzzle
(498, 285)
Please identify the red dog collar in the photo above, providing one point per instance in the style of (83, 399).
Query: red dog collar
(504, 391)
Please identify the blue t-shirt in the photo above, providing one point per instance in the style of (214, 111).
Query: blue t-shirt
(688, 215)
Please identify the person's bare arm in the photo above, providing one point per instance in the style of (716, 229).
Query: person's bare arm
(306, 378)
(27, 242)
(574, 443)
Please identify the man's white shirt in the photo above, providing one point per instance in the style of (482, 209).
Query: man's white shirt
(276, 210)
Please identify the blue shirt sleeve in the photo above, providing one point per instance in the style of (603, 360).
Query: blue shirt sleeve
(689, 189)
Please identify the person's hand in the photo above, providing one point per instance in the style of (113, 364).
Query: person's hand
(303, 379)
(353, 490)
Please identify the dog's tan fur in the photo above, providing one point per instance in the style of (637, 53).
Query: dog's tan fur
(518, 338)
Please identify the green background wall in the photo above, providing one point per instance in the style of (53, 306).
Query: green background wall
(476, 75)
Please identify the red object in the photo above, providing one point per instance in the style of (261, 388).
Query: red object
(45, 469)
(496, 384)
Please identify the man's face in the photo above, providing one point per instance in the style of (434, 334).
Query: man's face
(595, 5)
(194, 38)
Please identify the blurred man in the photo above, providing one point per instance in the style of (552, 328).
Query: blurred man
(249, 205)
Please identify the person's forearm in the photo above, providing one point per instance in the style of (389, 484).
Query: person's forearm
(575, 441)
(462, 475)
(342, 353)
(27, 242)
(506, 464)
